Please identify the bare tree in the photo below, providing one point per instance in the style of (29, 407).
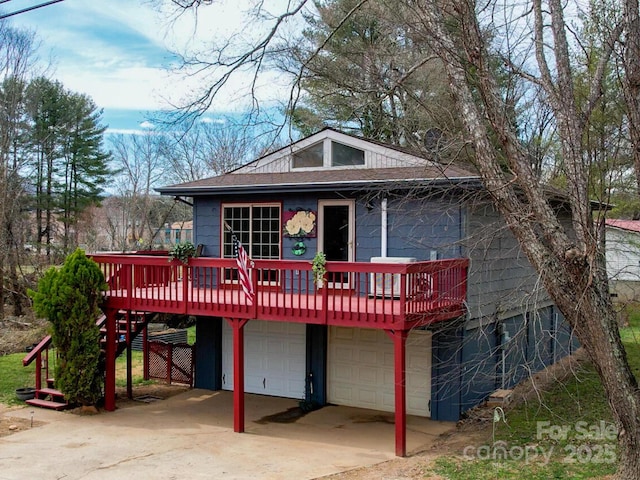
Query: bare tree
(16, 57)
(205, 149)
(141, 164)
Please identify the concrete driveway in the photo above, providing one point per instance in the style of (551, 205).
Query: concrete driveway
(191, 436)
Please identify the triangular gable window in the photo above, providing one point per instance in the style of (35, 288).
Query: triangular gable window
(344, 155)
(341, 155)
(309, 157)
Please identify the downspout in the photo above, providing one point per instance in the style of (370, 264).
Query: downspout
(383, 228)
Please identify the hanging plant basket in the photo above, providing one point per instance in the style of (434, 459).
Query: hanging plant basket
(319, 267)
(182, 251)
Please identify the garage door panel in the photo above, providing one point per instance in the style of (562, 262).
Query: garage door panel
(368, 357)
(388, 357)
(275, 358)
(368, 398)
(361, 369)
(369, 336)
(343, 333)
(388, 401)
(343, 373)
(368, 376)
(343, 354)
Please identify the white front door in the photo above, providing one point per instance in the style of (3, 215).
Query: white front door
(361, 370)
(274, 358)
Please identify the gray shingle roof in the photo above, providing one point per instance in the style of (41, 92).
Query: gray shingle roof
(322, 179)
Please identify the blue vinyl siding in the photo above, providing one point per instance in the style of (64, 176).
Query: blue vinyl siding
(446, 345)
(208, 357)
(479, 360)
(415, 228)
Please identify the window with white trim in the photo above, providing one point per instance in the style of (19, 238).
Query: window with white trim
(258, 228)
(328, 154)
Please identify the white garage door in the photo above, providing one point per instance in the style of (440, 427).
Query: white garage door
(274, 358)
(361, 373)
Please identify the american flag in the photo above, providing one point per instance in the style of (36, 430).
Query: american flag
(243, 261)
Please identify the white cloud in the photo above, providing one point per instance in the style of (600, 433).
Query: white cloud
(209, 120)
(128, 70)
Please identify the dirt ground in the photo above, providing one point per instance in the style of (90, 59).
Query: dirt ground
(475, 429)
(17, 333)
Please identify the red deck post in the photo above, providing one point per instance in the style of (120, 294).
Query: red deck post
(238, 372)
(39, 370)
(399, 338)
(129, 374)
(145, 351)
(110, 361)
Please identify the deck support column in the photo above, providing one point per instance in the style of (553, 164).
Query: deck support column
(399, 338)
(110, 361)
(238, 372)
(129, 374)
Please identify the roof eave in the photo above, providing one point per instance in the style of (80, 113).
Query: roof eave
(472, 181)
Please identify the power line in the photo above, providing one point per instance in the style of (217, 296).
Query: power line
(28, 9)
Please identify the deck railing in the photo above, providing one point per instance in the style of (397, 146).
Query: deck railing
(369, 294)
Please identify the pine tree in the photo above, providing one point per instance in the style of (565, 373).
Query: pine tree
(69, 298)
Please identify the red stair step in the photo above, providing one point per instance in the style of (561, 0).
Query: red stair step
(38, 402)
(52, 392)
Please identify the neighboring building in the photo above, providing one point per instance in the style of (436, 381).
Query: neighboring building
(178, 232)
(623, 259)
(363, 204)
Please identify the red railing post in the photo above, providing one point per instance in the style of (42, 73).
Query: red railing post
(128, 284)
(254, 285)
(39, 371)
(185, 288)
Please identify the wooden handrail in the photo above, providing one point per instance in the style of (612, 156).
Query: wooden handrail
(31, 356)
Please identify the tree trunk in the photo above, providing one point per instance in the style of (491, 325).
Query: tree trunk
(570, 267)
(596, 327)
(631, 81)
(18, 292)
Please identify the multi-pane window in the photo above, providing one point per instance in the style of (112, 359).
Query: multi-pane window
(258, 228)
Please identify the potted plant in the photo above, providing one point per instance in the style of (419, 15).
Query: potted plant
(182, 252)
(319, 267)
(25, 393)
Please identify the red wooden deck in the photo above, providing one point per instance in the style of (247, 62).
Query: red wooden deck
(394, 297)
(372, 295)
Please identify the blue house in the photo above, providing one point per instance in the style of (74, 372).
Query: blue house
(427, 307)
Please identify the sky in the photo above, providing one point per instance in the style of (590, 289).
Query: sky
(119, 53)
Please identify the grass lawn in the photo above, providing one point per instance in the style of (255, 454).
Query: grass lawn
(13, 375)
(566, 435)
